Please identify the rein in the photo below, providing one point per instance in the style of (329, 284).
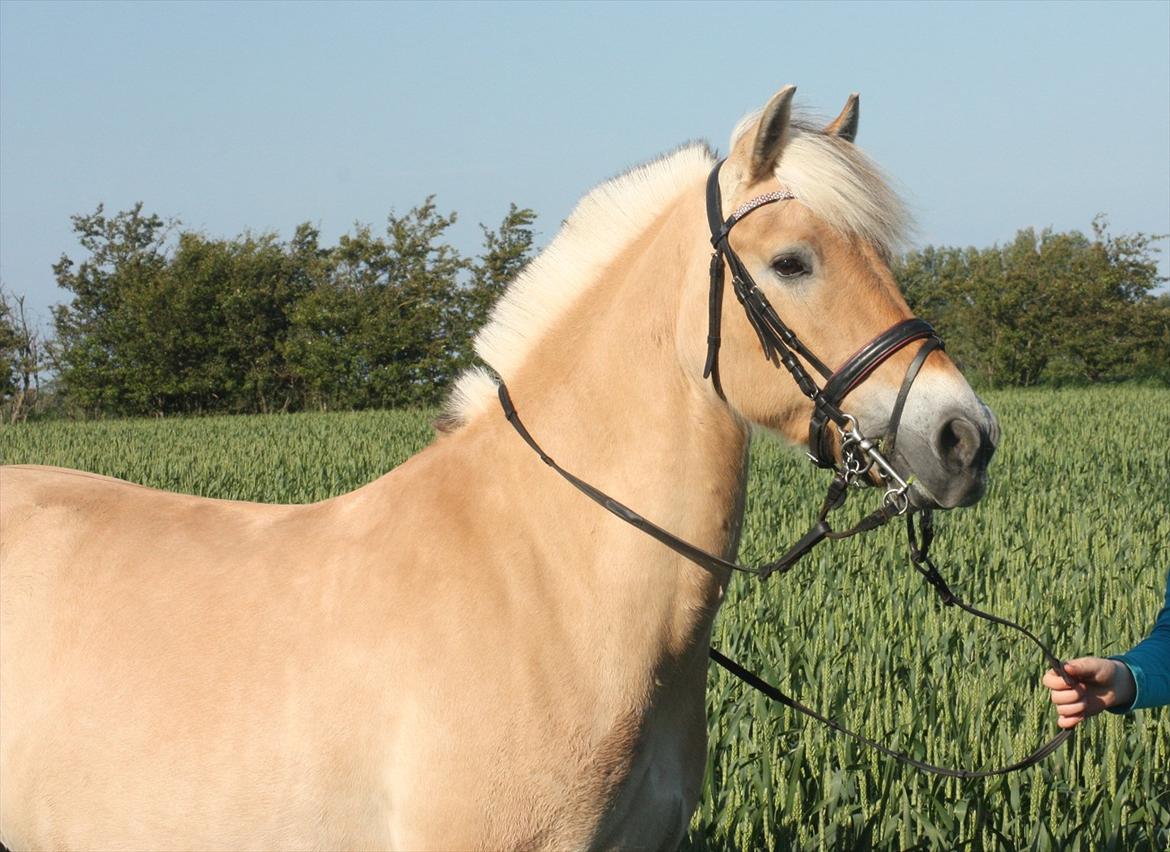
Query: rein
(861, 460)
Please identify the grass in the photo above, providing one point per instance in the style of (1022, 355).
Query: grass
(1070, 541)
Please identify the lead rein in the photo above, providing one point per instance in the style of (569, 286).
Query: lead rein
(858, 455)
(919, 545)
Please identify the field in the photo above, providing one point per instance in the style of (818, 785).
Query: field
(1070, 540)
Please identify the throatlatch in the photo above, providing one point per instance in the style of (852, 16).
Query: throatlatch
(860, 460)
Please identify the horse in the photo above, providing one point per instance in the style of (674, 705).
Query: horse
(466, 653)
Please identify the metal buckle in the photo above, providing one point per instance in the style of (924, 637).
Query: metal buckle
(898, 498)
(859, 455)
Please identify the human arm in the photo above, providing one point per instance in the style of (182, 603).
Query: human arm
(1149, 663)
(1137, 679)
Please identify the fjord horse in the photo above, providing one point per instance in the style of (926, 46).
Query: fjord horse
(465, 653)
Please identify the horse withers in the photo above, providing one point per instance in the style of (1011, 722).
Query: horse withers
(467, 653)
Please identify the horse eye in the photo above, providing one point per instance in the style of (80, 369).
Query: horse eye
(789, 266)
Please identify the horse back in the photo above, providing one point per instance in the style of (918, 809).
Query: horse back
(163, 653)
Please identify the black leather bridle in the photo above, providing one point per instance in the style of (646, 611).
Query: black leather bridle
(782, 346)
(860, 460)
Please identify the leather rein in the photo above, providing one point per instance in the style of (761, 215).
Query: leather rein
(861, 459)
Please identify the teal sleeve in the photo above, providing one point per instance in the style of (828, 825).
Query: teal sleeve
(1149, 661)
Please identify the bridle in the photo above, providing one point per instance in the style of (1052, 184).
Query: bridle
(781, 346)
(860, 460)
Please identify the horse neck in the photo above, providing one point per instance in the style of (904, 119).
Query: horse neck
(606, 394)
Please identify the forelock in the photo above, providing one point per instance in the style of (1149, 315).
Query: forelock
(839, 184)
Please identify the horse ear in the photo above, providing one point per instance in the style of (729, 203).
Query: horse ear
(772, 134)
(844, 126)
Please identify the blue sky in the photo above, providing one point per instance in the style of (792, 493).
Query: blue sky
(989, 116)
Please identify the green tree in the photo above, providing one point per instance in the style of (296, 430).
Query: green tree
(1151, 355)
(198, 327)
(1047, 307)
(199, 324)
(97, 331)
(9, 349)
(1112, 323)
(23, 359)
(217, 321)
(384, 327)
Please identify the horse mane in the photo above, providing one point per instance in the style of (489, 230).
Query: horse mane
(831, 177)
(603, 223)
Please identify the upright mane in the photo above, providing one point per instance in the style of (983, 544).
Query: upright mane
(838, 183)
(604, 222)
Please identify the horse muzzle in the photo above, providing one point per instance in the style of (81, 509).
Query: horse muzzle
(950, 460)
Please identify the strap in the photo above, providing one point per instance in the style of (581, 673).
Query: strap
(873, 354)
(855, 370)
(919, 543)
(924, 350)
(715, 294)
(695, 554)
(714, 323)
(761, 685)
(776, 338)
(714, 201)
(819, 532)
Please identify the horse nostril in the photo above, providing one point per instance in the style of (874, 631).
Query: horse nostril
(958, 443)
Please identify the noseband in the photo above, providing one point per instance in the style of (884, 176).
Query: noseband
(860, 459)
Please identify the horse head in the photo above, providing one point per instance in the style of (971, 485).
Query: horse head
(815, 229)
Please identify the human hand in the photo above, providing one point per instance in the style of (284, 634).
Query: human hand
(1097, 685)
